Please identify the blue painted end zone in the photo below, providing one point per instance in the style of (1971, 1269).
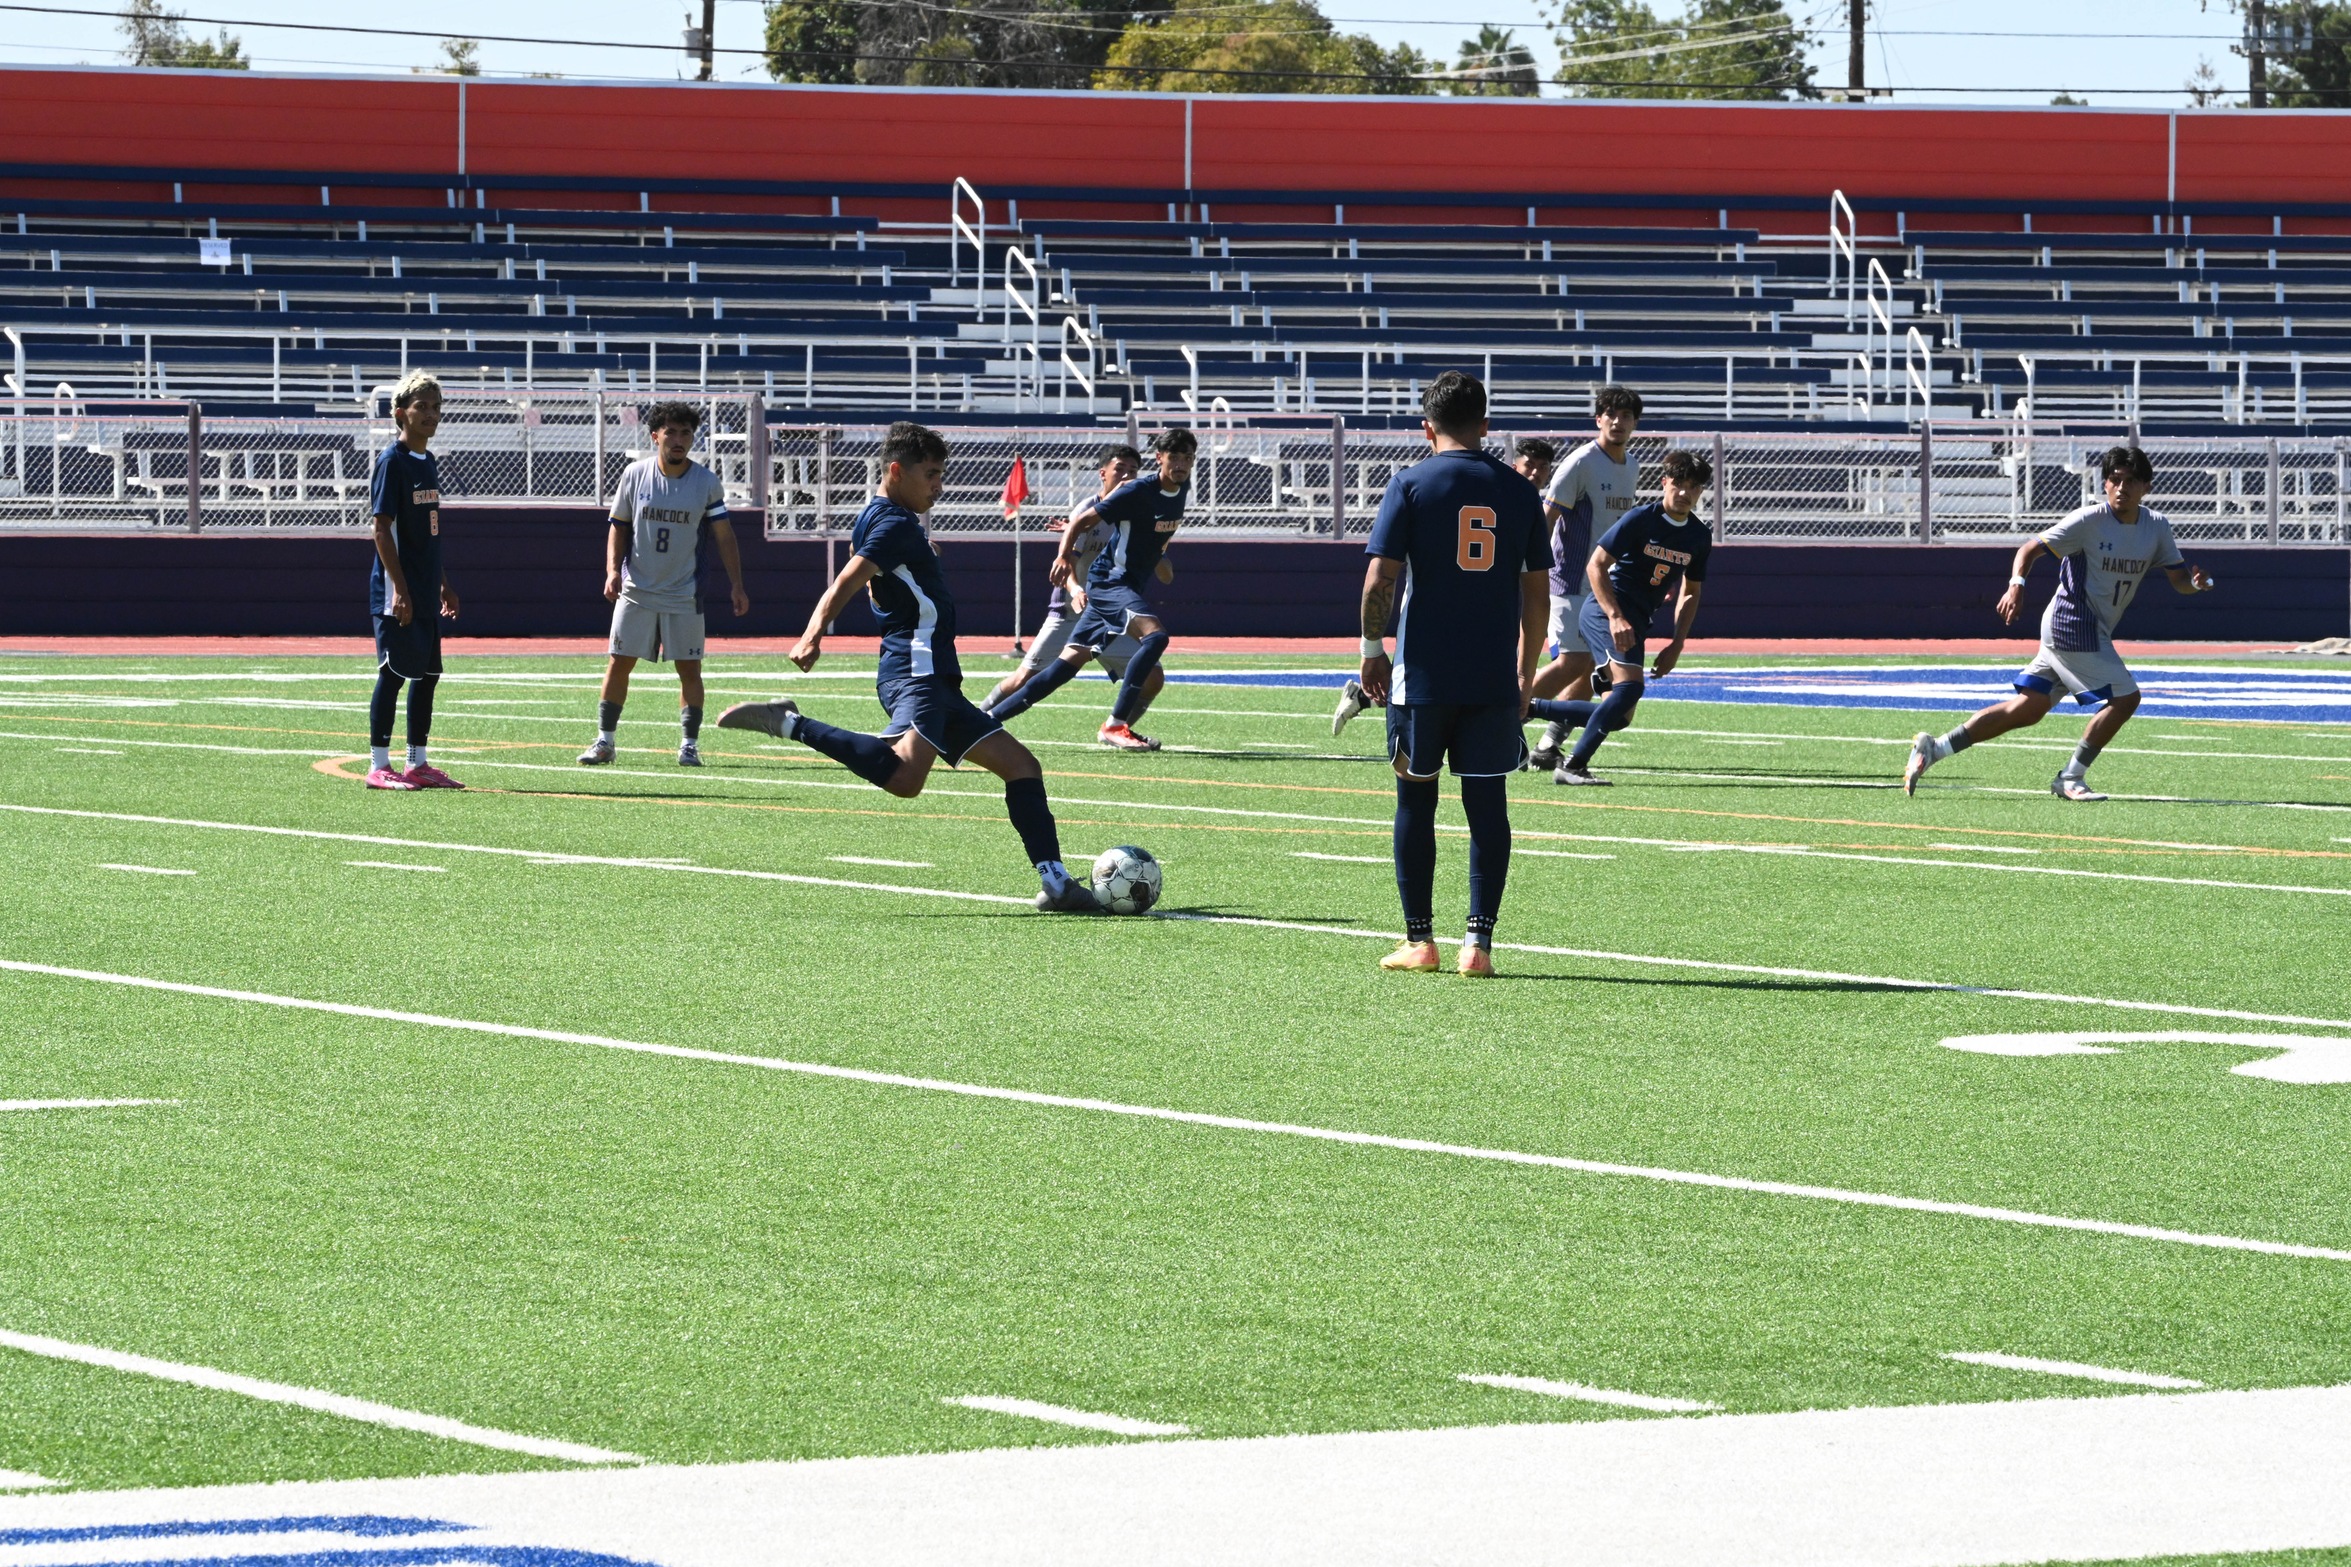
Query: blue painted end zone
(2286, 694)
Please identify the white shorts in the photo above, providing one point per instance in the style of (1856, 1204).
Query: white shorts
(1565, 640)
(2092, 679)
(657, 634)
(1053, 635)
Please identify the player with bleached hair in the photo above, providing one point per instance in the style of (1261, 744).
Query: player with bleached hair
(2103, 553)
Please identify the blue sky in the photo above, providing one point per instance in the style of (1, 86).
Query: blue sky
(1927, 50)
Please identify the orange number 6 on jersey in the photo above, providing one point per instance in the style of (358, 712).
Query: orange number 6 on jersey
(1476, 549)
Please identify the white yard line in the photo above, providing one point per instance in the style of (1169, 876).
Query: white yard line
(864, 859)
(145, 870)
(325, 1403)
(84, 750)
(1594, 1395)
(1556, 854)
(80, 1104)
(1230, 1123)
(1983, 848)
(392, 865)
(192, 745)
(25, 1480)
(558, 857)
(1083, 1419)
(2072, 1368)
(1343, 859)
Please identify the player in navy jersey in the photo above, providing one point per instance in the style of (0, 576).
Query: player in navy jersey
(405, 591)
(1634, 569)
(1463, 538)
(920, 680)
(1143, 516)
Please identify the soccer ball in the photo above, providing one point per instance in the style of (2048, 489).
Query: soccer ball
(1126, 879)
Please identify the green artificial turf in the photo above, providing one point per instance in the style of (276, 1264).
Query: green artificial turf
(698, 1261)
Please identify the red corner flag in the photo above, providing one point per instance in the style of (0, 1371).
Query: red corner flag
(1016, 488)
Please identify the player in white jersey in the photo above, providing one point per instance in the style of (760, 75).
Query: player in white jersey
(664, 505)
(2103, 553)
(1588, 494)
(1119, 465)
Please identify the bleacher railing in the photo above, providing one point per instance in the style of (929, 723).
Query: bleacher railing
(65, 468)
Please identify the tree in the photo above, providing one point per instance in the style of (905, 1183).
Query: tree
(1257, 46)
(977, 43)
(2203, 86)
(2068, 100)
(1496, 64)
(2315, 73)
(461, 57)
(154, 36)
(1715, 49)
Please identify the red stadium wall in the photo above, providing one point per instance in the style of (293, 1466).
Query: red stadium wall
(1104, 140)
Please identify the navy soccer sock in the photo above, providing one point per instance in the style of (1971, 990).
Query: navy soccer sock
(420, 709)
(607, 717)
(1416, 855)
(870, 757)
(1032, 818)
(1131, 701)
(690, 720)
(382, 707)
(1487, 805)
(1561, 711)
(1615, 712)
(1042, 684)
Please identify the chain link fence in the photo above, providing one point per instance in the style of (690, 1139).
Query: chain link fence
(67, 468)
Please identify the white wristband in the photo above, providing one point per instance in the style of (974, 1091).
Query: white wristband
(2016, 582)
(1375, 647)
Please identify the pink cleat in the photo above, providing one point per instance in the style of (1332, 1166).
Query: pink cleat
(426, 776)
(386, 778)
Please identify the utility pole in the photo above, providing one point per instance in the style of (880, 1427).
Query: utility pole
(2257, 53)
(1855, 59)
(703, 40)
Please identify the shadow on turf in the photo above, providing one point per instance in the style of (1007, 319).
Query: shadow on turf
(1798, 986)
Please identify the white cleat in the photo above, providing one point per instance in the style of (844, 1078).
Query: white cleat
(1569, 773)
(689, 754)
(1922, 757)
(767, 718)
(1351, 701)
(598, 754)
(2067, 787)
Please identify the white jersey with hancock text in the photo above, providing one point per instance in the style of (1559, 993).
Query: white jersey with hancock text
(2101, 560)
(666, 518)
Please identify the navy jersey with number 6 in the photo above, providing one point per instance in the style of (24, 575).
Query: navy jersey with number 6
(1466, 528)
(407, 489)
(1140, 518)
(910, 595)
(1652, 552)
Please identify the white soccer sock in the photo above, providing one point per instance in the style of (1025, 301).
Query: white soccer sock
(2077, 768)
(416, 756)
(791, 726)
(1554, 733)
(605, 736)
(379, 756)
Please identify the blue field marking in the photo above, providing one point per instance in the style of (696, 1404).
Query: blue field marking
(153, 1544)
(2288, 695)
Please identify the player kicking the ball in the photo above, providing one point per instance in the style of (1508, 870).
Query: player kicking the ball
(920, 680)
(664, 507)
(2103, 553)
(1141, 516)
(405, 592)
(1119, 466)
(1464, 536)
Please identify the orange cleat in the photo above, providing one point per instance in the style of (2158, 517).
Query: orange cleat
(1476, 962)
(1413, 957)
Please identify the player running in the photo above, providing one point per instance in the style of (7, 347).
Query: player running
(666, 504)
(405, 587)
(1465, 537)
(1141, 516)
(1589, 494)
(2103, 553)
(1632, 570)
(1118, 467)
(920, 680)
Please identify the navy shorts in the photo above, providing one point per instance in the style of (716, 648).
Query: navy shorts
(1482, 739)
(937, 711)
(1600, 642)
(1108, 609)
(414, 650)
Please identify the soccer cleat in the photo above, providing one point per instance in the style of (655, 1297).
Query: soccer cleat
(1351, 701)
(425, 776)
(1413, 957)
(1569, 773)
(1545, 756)
(1922, 757)
(2068, 787)
(768, 718)
(388, 778)
(1119, 737)
(689, 754)
(598, 754)
(1066, 894)
(1476, 962)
